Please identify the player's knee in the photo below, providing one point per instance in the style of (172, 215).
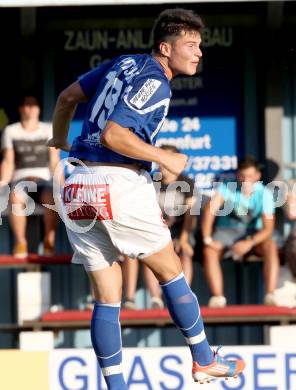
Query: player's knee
(169, 274)
(108, 296)
(108, 299)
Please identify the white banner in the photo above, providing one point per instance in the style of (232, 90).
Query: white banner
(267, 368)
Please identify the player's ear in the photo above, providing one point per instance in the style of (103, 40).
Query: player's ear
(165, 49)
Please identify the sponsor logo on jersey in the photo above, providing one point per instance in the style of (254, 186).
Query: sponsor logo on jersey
(94, 138)
(145, 93)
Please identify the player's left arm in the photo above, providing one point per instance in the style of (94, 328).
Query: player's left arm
(64, 111)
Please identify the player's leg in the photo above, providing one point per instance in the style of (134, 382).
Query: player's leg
(107, 284)
(130, 270)
(151, 243)
(107, 288)
(153, 287)
(95, 251)
(181, 301)
(184, 308)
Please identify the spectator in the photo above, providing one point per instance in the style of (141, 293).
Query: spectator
(27, 158)
(290, 245)
(285, 294)
(175, 192)
(248, 226)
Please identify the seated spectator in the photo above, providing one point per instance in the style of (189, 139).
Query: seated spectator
(26, 158)
(248, 226)
(290, 244)
(174, 193)
(285, 294)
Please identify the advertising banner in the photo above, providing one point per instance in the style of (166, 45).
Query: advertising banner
(170, 369)
(210, 159)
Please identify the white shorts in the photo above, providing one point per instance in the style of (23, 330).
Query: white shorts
(117, 209)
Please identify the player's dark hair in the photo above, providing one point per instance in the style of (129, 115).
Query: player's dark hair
(170, 24)
(248, 162)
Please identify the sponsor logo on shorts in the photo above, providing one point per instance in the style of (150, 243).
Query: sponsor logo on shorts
(87, 201)
(145, 92)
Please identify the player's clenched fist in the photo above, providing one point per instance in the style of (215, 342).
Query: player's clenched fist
(174, 162)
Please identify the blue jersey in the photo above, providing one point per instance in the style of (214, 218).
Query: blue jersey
(131, 90)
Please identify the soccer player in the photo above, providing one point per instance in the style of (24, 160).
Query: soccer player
(128, 99)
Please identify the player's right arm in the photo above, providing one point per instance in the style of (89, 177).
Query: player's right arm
(63, 113)
(143, 106)
(122, 140)
(80, 91)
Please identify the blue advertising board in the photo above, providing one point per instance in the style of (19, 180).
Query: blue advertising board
(169, 368)
(210, 144)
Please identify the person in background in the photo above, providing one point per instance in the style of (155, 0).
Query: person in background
(286, 292)
(26, 157)
(247, 226)
(175, 197)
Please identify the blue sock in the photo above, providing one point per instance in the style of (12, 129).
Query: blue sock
(106, 340)
(185, 312)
